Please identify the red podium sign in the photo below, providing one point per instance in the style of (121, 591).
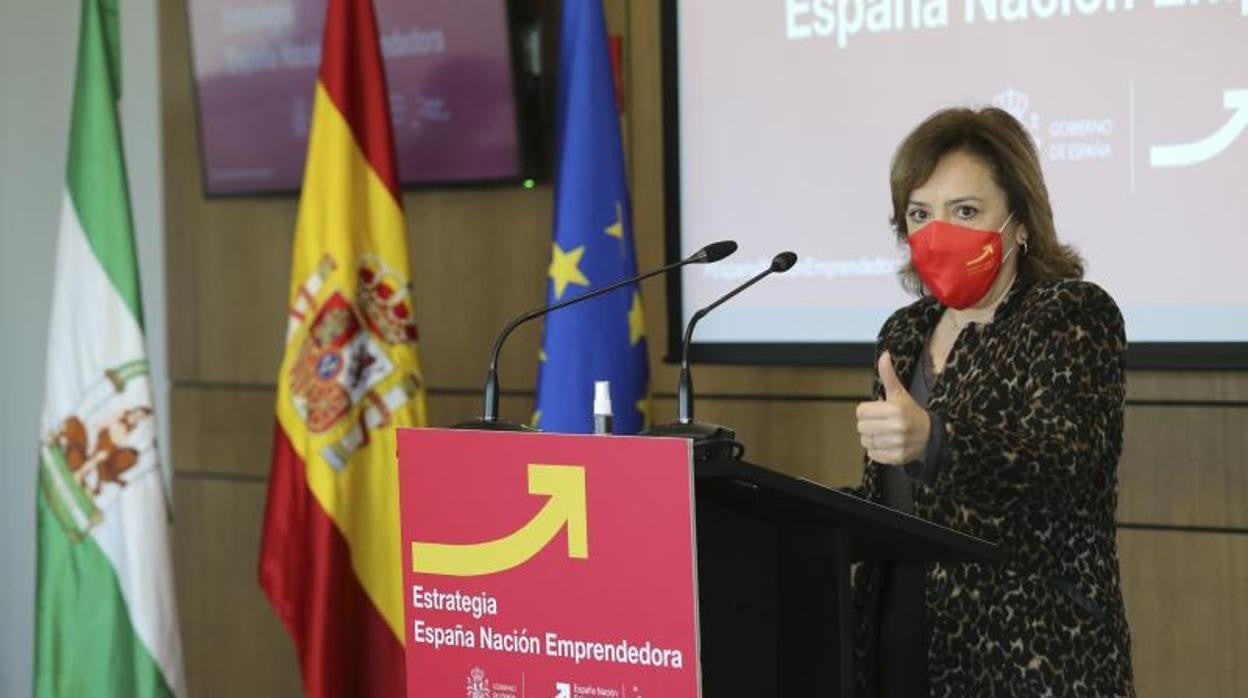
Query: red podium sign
(547, 566)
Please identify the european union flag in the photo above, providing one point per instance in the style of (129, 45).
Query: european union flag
(604, 338)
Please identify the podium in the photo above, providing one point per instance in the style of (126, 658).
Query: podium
(547, 564)
(774, 555)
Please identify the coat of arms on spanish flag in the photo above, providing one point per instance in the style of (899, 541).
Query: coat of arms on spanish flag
(350, 374)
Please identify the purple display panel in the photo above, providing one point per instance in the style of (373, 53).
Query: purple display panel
(448, 64)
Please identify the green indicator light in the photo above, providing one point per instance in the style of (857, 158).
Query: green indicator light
(529, 184)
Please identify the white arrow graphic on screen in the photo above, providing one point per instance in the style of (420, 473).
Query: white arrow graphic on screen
(1202, 150)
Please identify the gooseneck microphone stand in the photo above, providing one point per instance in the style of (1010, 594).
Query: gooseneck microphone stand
(489, 420)
(710, 440)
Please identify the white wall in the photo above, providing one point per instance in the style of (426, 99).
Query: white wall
(38, 43)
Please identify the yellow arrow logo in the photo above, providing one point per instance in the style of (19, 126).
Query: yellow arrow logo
(983, 256)
(566, 486)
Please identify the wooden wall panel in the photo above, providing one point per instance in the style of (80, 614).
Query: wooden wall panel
(1195, 386)
(233, 644)
(228, 258)
(1185, 466)
(222, 430)
(181, 188)
(1166, 477)
(445, 410)
(227, 431)
(1187, 603)
(814, 440)
(1181, 466)
(479, 258)
(242, 263)
(645, 130)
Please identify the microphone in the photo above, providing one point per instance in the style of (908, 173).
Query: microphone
(489, 418)
(710, 439)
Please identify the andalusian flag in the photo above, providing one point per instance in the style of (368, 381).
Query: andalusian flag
(106, 620)
(331, 562)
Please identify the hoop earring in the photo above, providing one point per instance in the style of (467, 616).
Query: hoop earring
(1023, 245)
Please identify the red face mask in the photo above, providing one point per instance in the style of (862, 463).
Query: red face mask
(957, 264)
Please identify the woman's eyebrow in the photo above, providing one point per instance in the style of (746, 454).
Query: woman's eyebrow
(963, 199)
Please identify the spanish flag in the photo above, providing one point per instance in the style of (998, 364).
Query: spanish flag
(330, 561)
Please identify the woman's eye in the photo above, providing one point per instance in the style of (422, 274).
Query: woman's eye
(917, 215)
(966, 212)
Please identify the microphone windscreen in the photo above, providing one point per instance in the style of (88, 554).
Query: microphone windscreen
(783, 262)
(715, 251)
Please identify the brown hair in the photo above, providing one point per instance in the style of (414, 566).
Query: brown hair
(1001, 143)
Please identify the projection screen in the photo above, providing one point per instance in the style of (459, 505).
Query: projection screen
(781, 117)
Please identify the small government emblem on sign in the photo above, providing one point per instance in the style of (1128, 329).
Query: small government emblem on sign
(478, 685)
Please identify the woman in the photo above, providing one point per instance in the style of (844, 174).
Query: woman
(998, 412)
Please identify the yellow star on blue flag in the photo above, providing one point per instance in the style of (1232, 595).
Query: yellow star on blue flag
(603, 338)
(565, 268)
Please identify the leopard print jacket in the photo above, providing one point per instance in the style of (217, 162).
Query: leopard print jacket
(1033, 407)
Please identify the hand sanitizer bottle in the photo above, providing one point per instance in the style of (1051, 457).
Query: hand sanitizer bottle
(602, 407)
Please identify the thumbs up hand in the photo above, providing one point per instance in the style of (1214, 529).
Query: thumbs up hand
(894, 430)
